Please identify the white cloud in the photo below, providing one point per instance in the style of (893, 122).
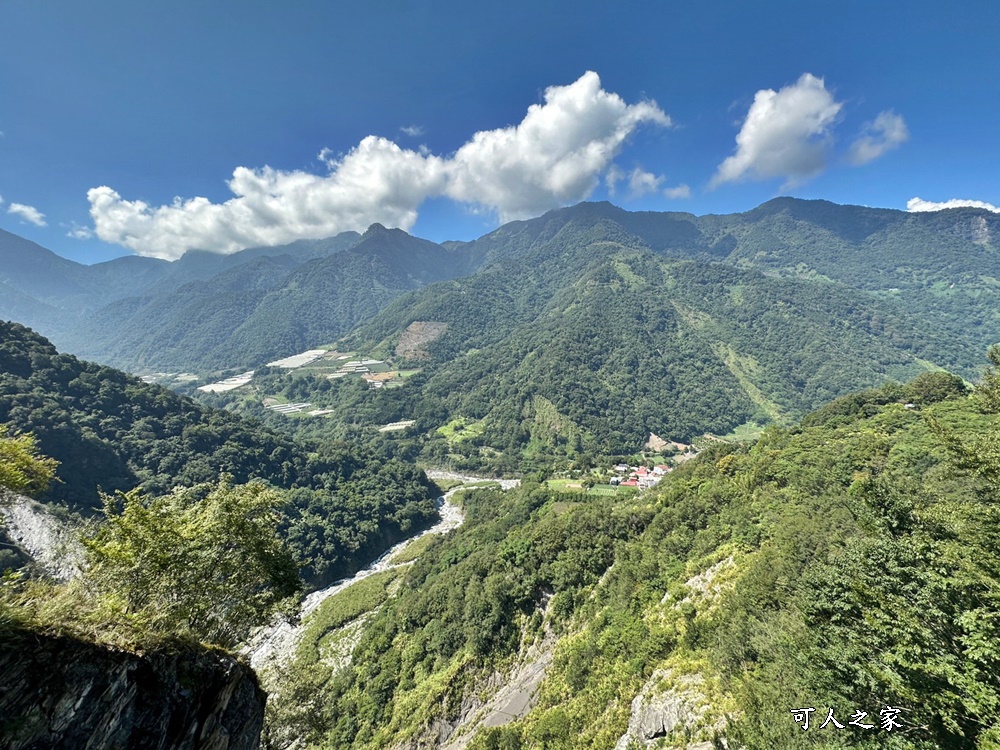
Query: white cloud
(554, 156)
(377, 181)
(675, 193)
(919, 204)
(785, 134)
(612, 177)
(78, 232)
(414, 131)
(642, 183)
(884, 134)
(27, 213)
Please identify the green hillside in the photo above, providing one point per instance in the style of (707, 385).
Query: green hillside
(601, 340)
(846, 563)
(107, 304)
(111, 431)
(267, 307)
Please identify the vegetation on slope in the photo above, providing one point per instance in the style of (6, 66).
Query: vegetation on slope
(22, 469)
(601, 341)
(264, 309)
(111, 431)
(845, 563)
(201, 565)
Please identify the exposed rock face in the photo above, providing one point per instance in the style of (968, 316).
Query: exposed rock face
(417, 335)
(51, 543)
(511, 698)
(679, 710)
(58, 692)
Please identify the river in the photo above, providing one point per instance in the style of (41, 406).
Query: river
(274, 644)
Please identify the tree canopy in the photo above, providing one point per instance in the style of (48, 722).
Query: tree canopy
(22, 469)
(205, 561)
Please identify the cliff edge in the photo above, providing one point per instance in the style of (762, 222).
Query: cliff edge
(57, 691)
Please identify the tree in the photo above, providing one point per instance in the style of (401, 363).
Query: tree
(21, 468)
(206, 562)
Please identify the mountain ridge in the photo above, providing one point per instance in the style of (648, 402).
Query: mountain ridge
(939, 265)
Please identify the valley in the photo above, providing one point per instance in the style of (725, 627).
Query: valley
(596, 479)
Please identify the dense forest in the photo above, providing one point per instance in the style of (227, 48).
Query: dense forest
(845, 563)
(110, 431)
(601, 341)
(266, 308)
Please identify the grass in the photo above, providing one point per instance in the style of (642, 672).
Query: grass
(745, 433)
(340, 609)
(415, 549)
(565, 485)
(575, 486)
(604, 489)
(460, 429)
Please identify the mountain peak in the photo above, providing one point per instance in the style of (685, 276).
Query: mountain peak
(374, 230)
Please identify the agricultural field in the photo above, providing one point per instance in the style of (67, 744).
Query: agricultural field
(460, 429)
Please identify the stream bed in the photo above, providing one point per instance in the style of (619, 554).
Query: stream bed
(274, 645)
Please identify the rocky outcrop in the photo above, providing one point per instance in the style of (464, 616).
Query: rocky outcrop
(417, 336)
(511, 697)
(49, 541)
(672, 707)
(59, 692)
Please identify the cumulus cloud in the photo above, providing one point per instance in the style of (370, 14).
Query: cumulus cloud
(677, 193)
(785, 134)
(919, 204)
(885, 133)
(642, 183)
(377, 181)
(29, 214)
(414, 131)
(612, 177)
(554, 156)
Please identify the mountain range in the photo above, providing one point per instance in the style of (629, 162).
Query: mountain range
(581, 331)
(211, 312)
(844, 561)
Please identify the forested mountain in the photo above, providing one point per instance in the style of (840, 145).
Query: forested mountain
(843, 565)
(586, 339)
(111, 431)
(268, 307)
(585, 329)
(940, 267)
(54, 294)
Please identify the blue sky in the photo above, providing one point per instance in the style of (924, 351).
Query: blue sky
(111, 111)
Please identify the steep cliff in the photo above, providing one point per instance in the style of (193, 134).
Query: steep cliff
(49, 541)
(66, 693)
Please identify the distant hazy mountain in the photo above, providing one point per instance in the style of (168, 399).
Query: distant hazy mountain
(63, 298)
